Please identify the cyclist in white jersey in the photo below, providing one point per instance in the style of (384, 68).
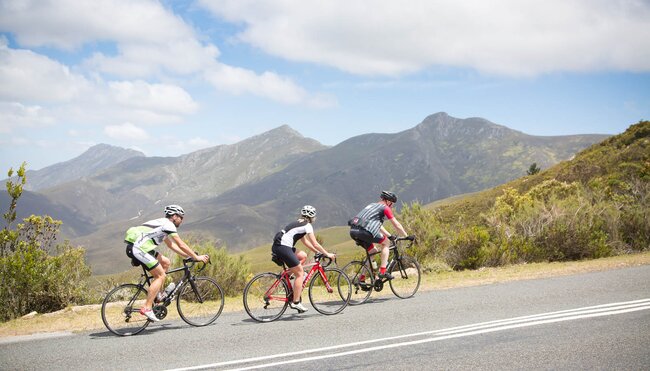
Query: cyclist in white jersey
(141, 243)
(367, 228)
(284, 249)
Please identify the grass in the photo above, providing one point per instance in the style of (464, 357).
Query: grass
(86, 318)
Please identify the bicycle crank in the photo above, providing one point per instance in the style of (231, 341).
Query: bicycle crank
(160, 311)
(379, 285)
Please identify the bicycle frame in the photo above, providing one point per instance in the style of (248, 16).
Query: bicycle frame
(146, 280)
(394, 257)
(285, 275)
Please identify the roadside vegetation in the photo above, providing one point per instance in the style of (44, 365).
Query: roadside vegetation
(596, 205)
(593, 206)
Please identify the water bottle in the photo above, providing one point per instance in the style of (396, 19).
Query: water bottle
(162, 295)
(374, 265)
(169, 289)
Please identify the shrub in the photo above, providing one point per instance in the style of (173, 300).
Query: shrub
(424, 224)
(36, 274)
(32, 280)
(465, 246)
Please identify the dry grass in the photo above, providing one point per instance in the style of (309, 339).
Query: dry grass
(88, 317)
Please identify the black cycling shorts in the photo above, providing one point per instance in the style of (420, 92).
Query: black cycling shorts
(286, 254)
(364, 238)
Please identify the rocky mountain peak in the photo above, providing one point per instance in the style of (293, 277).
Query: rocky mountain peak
(93, 160)
(441, 126)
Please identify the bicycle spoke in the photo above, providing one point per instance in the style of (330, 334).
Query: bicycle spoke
(330, 294)
(200, 304)
(121, 310)
(407, 275)
(361, 280)
(265, 297)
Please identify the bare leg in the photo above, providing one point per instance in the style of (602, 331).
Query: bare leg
(299, 273)
(158, 280)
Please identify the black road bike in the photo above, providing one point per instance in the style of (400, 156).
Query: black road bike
(199, 301)
(404, 268)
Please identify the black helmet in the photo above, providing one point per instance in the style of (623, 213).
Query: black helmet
(388, 196)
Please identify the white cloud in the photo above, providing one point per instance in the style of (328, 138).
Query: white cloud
(13, 114)
(508, 37)
(60, 95)
(28, 76)
(126, 132)
(268, 84)
(152, 97)
(149, 40)
(69, 24)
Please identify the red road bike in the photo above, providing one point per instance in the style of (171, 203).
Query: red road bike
(267, 295)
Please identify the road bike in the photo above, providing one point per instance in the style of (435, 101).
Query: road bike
(404, 268)
(199, 301)
(267, 295)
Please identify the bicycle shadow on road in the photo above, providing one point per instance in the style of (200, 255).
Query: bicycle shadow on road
(290, 317)
(370, 301)
(151, 329)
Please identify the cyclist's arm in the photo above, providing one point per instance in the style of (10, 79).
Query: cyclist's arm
(182, 249)
(310, 241)
(398, 226)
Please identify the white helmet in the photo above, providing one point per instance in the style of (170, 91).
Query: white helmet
(174, 210)
(308, 211)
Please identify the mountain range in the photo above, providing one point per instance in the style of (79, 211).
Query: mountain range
(241, 193)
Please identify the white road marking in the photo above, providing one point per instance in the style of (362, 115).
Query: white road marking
(439, 335)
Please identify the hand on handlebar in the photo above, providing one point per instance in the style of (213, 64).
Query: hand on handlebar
(203, 258)
(331, 255)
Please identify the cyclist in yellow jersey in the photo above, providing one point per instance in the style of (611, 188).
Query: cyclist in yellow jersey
(141, 243)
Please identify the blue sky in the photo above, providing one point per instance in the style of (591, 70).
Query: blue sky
(171, 77)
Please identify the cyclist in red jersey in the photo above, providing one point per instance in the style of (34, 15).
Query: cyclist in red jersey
(284, 248)
(367, 228)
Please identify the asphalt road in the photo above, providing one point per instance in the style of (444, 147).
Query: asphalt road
(587, 321)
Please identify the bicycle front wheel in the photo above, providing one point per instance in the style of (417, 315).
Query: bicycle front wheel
(330, 294)
(200, 301)
(361, 280)
(266, 297)
(407, 274)
(121, 310)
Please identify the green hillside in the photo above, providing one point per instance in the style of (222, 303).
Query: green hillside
(620, 157)
(596, 204)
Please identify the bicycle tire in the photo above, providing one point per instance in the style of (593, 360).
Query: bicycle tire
(407, 275)
(121, 310)
(257, 302)
(330, 300)
(361, 288)
(204, 311)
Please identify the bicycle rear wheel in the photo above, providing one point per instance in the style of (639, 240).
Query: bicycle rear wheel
(330, 294)
(361, 280)
(266, 297)
(121, 310)
(200, 301)
(407, 274)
